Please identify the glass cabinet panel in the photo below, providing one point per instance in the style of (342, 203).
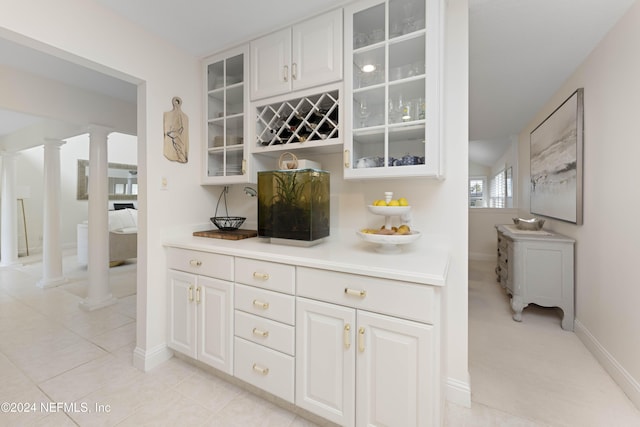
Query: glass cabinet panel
(393, 70)
(368, 26)
(405, 17)
(226, 98)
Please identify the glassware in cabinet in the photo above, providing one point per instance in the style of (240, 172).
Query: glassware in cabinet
(227, 96)
(393, 68)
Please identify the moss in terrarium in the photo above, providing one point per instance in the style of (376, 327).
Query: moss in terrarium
(293, 204)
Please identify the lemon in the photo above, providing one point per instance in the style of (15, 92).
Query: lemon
(403, 202)
(393, 203)
(380, 203)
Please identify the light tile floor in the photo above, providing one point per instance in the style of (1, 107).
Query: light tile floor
(54, 354)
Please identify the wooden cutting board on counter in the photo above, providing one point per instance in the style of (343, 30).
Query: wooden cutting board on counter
(228, 235)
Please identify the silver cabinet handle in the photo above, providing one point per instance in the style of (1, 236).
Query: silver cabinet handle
(195, 263)
(198, 295)
(294, 71)
(260, 369)
(190, 293)
(347, 156)
(260, 333)
(260, 304)
(355, 292)
(260, 276)
(286, 73)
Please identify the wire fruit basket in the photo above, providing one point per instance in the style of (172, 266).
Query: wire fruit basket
(226, 223)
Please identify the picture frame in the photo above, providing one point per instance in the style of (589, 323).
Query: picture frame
(556, 161)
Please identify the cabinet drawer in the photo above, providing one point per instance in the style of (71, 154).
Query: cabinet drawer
(268, 275)
(400, 299)
(267, 369)
(259, 330)
(272, 305)
(203, 263)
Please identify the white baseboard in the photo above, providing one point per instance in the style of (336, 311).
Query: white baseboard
(480, 256)
(146, 360)
(627, 383)
(458, 392)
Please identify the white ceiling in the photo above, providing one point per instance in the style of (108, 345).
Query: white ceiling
(203, 27)
(521, 51)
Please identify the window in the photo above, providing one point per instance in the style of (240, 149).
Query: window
(498, 190)
(477, 192)
(502, 189)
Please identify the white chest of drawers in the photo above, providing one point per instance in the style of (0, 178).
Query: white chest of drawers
(537, 268)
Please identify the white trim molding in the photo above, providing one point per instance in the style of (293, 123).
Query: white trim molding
(458, 392)
(145, 360)
(620, 375)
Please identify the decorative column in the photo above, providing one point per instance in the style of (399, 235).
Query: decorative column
(9, 212)
(51, 245)
(98, 293)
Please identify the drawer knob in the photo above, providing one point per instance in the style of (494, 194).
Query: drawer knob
(260, 369)
(355, 292)
(260, 276)
(260, 304)
(260, 333)
(195, 263)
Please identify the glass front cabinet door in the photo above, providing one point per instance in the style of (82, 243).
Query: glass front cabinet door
(392, 81)
(226, 160)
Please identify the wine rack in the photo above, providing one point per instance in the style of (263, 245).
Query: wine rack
(308, 118)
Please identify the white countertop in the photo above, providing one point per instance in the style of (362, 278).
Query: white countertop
(514, 233)
(344, 252)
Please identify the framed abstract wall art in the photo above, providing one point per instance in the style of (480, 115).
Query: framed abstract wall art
(556, 162)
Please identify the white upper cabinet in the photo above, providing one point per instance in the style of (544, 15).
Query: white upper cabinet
(305, 55)
(393, 52)
(226, 159)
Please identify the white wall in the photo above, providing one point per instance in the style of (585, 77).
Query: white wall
(102, 37)
(607, 245)
(482, 221)
(107, 42)
(482, 231)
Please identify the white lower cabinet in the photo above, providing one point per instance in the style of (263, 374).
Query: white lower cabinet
(265, 325)
(325, 360)
(200, 318)
(394, 375)
(265, 368)
(355, 367)
(356, 350)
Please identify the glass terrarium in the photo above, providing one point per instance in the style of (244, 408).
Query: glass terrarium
(293, 204)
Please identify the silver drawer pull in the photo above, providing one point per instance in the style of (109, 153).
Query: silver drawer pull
(260, 333)
(355, 292)
(260, 304)
(260, 276)
(195, 263)
(260, 369)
